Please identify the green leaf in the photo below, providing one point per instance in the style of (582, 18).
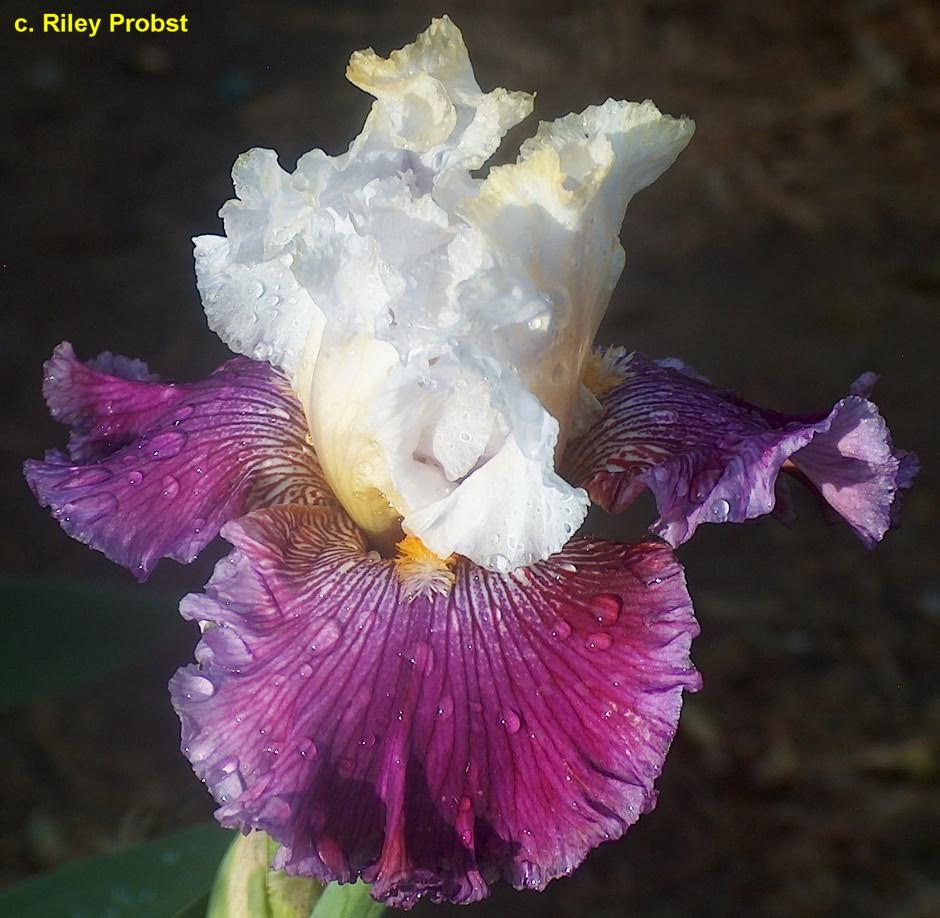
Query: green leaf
(349, 900)
(246, 887)
(160, 879)
(195, 909)
(60, 636)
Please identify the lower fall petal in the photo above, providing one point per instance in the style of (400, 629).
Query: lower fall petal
(708, 456)
(155, 468)
(432, 744)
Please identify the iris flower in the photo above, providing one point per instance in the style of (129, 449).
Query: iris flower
(411, 669)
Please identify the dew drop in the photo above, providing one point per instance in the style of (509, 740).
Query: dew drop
(256, 289)
(305, 671)
(498, 563)
(327, 636)
(278, 412)
(465, 804)
(198, 687)
(600, 641)
(229, 787)
(185, 412)
(720, 510)
(135, 478)
(331, 854)
(171, 487)
(422, 657)
(562, 630)
(446, 707)
(307, 748)
(511, 721)
(167, 445)
(199, 524)
(606, 608)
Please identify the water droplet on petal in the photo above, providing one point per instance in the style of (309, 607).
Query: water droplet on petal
(199, 524)
(305, 671)
(600, 641)
(183, 413)
(446, 707)
(511, 721)
(562, 630)
(228, 787)
(465, 804)
(171, 487)
(256, 289)
(167, 445)
(135, 478)
(307, 748)
(422, 657)
(498, 563)
(331, 854)
(720, 510)
(198, 687)
(606, 608)
(325, 638)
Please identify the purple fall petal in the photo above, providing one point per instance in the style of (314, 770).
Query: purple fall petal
(432, 744)
(155, 469)
(711, 457)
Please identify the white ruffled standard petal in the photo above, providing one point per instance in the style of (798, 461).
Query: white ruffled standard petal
(551, 221)
(252, 298)
(429, 102)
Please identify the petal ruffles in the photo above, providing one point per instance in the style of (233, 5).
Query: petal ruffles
(432, 744)
(155, 469)
(711, 457)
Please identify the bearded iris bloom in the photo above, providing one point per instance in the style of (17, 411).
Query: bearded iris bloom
(412, 669)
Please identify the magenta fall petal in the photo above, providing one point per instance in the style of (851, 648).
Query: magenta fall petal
(155, 469)
(432, 744)
(711, 457)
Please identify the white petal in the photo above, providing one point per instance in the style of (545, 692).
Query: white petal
(510, 512)
(430, 103)
(258, 310)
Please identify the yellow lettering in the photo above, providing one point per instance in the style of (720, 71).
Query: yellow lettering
(20, 24)
(50, 22)
(184, 24)
(117, 19)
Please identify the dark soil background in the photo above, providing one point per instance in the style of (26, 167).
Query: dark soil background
(794, 245)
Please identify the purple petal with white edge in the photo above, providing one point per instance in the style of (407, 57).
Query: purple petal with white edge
(155, 469)
(708, 456)
(432, 744)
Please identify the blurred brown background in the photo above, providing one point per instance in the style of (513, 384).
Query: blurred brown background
(794, 245)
